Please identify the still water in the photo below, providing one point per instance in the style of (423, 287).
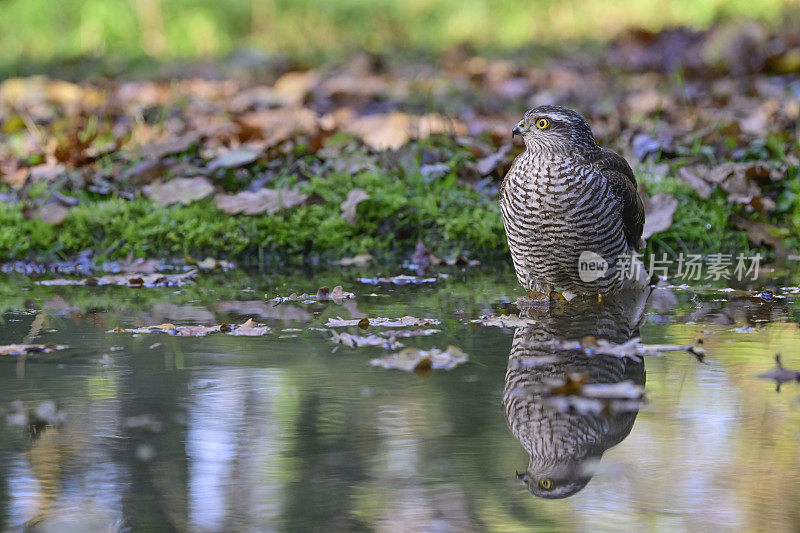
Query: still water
(291, 432)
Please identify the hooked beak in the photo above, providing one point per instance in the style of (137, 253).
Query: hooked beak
(517, 131)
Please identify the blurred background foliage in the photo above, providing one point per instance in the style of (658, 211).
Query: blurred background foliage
(40, 31)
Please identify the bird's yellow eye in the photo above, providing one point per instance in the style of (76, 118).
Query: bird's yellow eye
(542, 123)
(546, 484)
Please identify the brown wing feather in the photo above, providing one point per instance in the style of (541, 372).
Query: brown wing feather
(620, 176)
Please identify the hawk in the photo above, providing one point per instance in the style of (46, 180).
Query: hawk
(570, 208)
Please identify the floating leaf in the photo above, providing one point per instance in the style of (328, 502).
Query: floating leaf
(30, 349)
(398, 280)
(324, 294)
(414, 359)
(356, 341)
(504, 321)
(249, 329)
(401, 322)
(128, 280)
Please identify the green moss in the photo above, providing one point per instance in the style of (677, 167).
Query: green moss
(697, 224)
(397, 214)
(403, 207)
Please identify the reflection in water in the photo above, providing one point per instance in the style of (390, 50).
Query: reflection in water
(563, 445)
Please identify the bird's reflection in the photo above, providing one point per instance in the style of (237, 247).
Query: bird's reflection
(564, 445)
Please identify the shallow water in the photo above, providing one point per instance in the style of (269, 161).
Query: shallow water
(290, 432)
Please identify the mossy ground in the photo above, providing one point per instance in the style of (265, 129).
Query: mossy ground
(404, 207)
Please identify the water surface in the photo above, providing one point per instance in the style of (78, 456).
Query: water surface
(291, 432)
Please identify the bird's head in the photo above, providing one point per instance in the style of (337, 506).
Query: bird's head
(555, 129)
(557, 480)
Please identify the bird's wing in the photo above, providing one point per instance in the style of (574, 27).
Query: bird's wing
(623, 183)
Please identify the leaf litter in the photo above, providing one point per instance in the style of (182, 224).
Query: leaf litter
(743, 117)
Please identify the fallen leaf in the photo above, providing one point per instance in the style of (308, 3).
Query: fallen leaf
(275, 126)
(572, 385)
(658, 213)
(30, 349)
(293, 87)
(356, 341)
(633, 348)
(401, 322)
(248, 329)
(692, 177)
(128, 280)
(182, 191)
(324, 294)
(173, 145)
(760, 233)
(53, 214)
(263, 201)
(398, 280)
(354, 197)
(233, 159)
(414, 359)
(393, 130)
(504, 321)
(487, 165)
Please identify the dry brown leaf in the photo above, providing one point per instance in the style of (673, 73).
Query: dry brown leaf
(277, 125)
(761, 233)
(263, 201)
(234, 159)
(693, 178)
(11, 175)
(293, 87)
(658, 213)
(393, 130)
(354, 197)
(53, 214)
(182, 191)
(170, 146)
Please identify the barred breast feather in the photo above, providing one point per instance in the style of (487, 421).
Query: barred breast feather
(555, 208)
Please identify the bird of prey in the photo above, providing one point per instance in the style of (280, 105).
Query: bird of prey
(570, 209)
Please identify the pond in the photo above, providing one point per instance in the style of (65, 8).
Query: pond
(290, 431)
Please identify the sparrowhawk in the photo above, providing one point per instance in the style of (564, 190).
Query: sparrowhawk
(565, 196)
